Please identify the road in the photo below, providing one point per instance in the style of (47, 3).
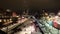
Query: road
(28, 28)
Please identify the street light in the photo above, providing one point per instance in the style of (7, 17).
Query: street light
(8, 10)
(59, 13)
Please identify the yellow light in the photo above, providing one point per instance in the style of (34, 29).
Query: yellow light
(4, 20)
(46, 14)
(17, 16)
(0, 20)
(59, 13)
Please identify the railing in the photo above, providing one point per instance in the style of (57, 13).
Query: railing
(39, 24)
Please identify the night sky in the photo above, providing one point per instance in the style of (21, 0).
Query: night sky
(17, 4)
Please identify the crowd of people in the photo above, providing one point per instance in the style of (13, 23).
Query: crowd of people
(51, 21)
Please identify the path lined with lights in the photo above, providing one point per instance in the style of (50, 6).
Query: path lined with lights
(14, 25)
